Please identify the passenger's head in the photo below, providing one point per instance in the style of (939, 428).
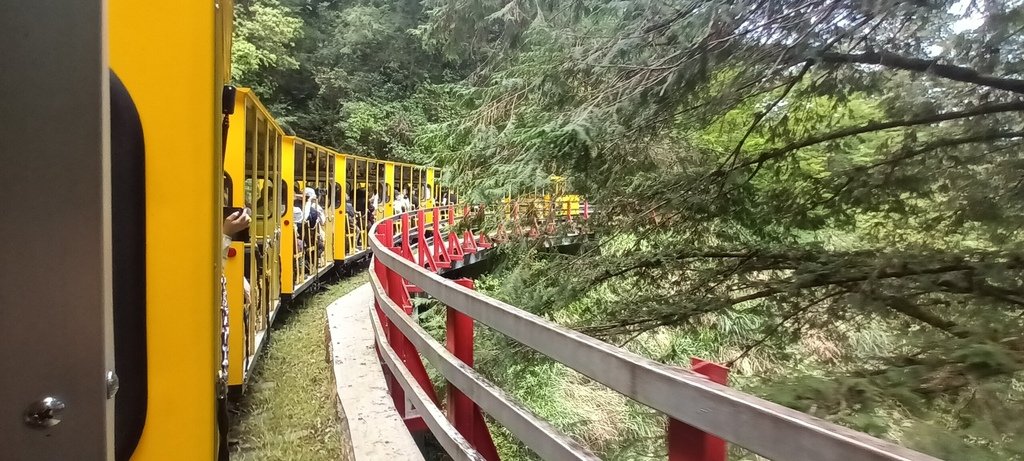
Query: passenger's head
(310, 193)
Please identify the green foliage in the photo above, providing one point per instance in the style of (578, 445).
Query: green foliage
(844, 234)
(830, 202)
(288, 411)
(350, 74)
(264, 34)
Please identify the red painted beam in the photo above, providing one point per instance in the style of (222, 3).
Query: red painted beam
(465, 414)
(687, 443)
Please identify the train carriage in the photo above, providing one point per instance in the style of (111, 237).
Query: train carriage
(144, 356)
(253, 181)
(115, 348)
(286, 182)
(166, 404)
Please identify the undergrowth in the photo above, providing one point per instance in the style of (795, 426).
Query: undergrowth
(288, 412)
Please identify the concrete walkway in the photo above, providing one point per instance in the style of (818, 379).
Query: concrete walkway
(368, 418)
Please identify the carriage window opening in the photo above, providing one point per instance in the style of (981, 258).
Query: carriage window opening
(251, 193)
(250, 135)
(228, 189)
(284, 198)
(300, 162)
(266, 197)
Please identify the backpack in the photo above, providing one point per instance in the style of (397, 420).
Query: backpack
(314, 216)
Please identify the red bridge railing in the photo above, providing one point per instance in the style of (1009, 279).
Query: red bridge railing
(702, 412)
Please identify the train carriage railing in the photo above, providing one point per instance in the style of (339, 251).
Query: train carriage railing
(702, 413)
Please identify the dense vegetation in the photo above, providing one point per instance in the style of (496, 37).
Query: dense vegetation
(349, 74)
(824, 194)
(288, 410)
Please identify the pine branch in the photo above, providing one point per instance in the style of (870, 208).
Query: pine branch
(984, 109)
(930, 66)
(916, 312)
(843, 279)
(759, 116)
(947, 142)
(778, 326)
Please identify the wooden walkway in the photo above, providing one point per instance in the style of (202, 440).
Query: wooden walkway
(371, 426)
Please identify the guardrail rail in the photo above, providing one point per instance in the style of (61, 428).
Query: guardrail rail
(703, 413)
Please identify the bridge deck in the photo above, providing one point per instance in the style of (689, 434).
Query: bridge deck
(368, 417)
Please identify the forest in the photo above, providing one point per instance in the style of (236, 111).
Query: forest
(825, 195)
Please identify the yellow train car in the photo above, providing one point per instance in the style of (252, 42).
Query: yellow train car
(160, 154)
(359, 184)
(307, 248)
(253, 181)
(169, 411)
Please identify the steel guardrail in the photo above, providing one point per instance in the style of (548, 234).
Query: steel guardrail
(539, 435)
(760, 426)
(453, 442)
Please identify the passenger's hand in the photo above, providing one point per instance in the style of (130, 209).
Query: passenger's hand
(236, 222)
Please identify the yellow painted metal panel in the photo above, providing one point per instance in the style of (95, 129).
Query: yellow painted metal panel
(429, 200)
(431, 183)
(172, 69)
(225, 29)
(342, 246)
(287, 226)
(389, 188)
(326, 186)
(234, 270)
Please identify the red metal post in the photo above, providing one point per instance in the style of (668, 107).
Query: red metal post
(483, 241)
(395, 338)
(468, 242)
(464, 414)
(454, 246)
(385, 235)
(459, 340)
(406, 249)
(443, 259)
(426, 257)
(402, 346)
(395, 288)
(687, 443)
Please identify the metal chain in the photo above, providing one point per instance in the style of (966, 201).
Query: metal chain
(222, 374)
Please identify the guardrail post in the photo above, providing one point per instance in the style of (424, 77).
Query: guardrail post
(468, 242)
(386, 235)
(406, 249)
(426, 258)
(454, 246)
(465, 414)
(396, 289)
(687, 443)
(443, 259)
(459, 340)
